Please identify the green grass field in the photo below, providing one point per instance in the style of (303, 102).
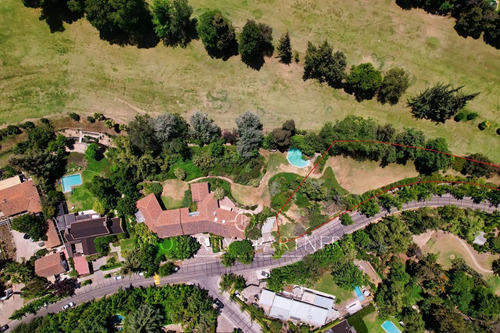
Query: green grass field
(43, 73)
(327, 285)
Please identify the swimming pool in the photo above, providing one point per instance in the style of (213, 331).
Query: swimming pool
(69, 181)
(359, 294)
(389, 327)
(294, 156)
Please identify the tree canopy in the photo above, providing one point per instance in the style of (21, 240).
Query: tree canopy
(439, 103)
(204, 128)
(217, 34)
(250, 132)
(285, 49)
(364, 80)
(173, 23)
(256, 43)
(324, 65)
(393, 86)
(32, 224)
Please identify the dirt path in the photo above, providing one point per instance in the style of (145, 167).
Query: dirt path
(472, 255)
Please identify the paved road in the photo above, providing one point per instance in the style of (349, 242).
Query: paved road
(306, 245)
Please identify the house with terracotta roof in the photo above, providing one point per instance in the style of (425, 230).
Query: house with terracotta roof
(18, 198)
(210, 217)
(50, 265)
(53, 239)
(80, 231)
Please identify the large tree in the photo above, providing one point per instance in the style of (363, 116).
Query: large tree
(250, 132)
(439, 103)
(282, 136)
(146, 319)
(323, 65)
(477, 169)
(32, 224)
(255, 43)
(364, 80)
(285, 49)
(122, 21)
(433, 160)
(203, 128)
(217, 34)
(393, 86)
(173, 23)
(141, 134)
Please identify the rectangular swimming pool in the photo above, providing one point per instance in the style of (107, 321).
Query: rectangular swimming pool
(69, 181)
(389, 327)
(359, 294)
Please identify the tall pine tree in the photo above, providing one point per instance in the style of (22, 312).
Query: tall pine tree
(285, 49)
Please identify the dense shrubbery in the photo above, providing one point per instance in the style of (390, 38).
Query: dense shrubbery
(184, 304)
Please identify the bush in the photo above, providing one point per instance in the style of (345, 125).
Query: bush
(180, 174)
(99, 116)
(498, 131)
(484, 125)
(86, 282)
(92, 151)
(13, 130)
(110, 123)
(346, 219)
(155, 188)
(166, 269)
(472, 116)
(460, 117)
(90, 119)
(74, 116)
(45, 121)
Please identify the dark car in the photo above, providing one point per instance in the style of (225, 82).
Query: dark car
(218, 303)
(4, 328)
(26, 236)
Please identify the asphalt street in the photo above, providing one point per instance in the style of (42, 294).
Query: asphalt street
(203, 272)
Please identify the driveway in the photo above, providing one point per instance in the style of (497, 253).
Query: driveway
(25, 248)
(8, 306)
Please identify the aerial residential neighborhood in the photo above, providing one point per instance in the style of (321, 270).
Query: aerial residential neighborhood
(249, 166)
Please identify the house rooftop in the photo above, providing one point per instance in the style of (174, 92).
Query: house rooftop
(49, 265)
(53, 239)
(19, 199)
(209, 217)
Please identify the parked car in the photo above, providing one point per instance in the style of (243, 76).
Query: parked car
(141, 273)
(218, 303)
(26, 236)
(41, 244)
(176, 268)
(8, 293)
(4, 328)
(256, 297)
(69, 305)
(265, 274)
(118, 277)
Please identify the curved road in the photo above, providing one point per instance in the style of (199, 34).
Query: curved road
(204, 272)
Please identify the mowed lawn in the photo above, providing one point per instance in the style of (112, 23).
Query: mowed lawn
(43, 73)
(327, 285)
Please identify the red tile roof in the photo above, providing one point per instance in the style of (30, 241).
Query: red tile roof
(49, 265)
(199, 191)
(52, 236)
(209, 217)
(81, 265)
(19, 199)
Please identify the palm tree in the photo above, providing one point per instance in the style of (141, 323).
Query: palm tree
(146, 319)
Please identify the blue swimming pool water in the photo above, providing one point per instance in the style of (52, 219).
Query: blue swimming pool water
(360, 295)
(73, 180)
(389, 327)
(294, 156)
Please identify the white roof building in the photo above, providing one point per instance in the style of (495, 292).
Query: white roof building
(315, 313)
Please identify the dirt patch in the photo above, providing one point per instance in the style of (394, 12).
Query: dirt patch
(449, 246)
(174, 188)
(7, 243)
(359, 177)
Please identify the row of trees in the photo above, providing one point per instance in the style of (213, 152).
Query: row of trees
(474, 17)
(364, 81)
(144, 309)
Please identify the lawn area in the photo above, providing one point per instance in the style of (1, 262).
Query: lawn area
(47, 73)
(165, 246)
(373, 323)
(127, 244)
(81, 198)
(171, 203)
(327, 285)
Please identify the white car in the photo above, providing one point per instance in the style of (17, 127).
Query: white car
(119, 277)
(69, 305)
